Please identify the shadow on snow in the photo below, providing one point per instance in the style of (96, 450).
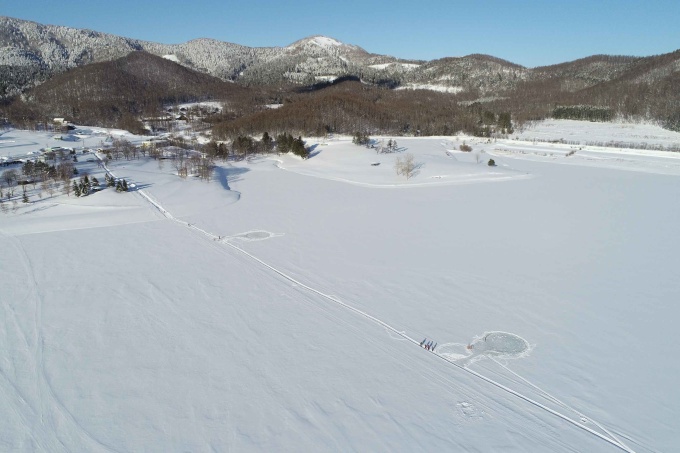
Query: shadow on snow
(225, 175)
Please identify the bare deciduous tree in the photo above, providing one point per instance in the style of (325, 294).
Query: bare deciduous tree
(67, 188)
(406, 166)
(155, 152)
(179, 163)
(65, 170)
(205, 168)
(10, 177)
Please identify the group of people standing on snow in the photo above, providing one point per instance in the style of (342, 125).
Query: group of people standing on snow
(428, 344)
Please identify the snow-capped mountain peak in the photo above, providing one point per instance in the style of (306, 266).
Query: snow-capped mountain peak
(324, 42)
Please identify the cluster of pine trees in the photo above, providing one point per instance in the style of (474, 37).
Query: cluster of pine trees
(84, 186)
(216, 150)
(243, 145)
(286, 143)
(42, 176)
(360, 138)
(582, 112)
(35, 171)
(490, 123)
(119, 184)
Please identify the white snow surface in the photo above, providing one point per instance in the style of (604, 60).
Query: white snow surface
(325, 78)
(407, 66)
(280, 307)
(585, 132)
(216, 105)
(432, 87)
(325, 41)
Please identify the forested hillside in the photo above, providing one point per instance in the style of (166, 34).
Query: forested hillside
(323, 84)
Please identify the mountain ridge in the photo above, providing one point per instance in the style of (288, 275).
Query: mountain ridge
(595, 87)
(49, 49)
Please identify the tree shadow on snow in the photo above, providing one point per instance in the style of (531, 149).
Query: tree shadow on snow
(229, 174)
(416, 168)
(313, 151)
(141, 186)
(39, 208)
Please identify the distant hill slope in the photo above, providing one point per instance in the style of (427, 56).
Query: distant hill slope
(109, 92)
(585, 72)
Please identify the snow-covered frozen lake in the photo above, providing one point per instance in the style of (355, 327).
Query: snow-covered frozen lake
(280, 307)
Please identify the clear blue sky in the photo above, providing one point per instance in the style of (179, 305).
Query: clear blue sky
(527, 32)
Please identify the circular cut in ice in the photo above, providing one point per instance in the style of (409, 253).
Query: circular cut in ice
(502, 344)
(257, 235)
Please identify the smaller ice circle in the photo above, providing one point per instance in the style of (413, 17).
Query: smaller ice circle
(255, 235)
(258, 235)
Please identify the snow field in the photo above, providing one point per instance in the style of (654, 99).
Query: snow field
(138, 333)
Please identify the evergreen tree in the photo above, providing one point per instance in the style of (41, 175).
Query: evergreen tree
(487, 118)
(211, 149)
(267, 143)
(222, 151)
(505, 123)
(361, 138)
(124, 186)
(28, 168)
(298, 148)
(284, 142)
(85, 186)
(243, 145)
(76, 189)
